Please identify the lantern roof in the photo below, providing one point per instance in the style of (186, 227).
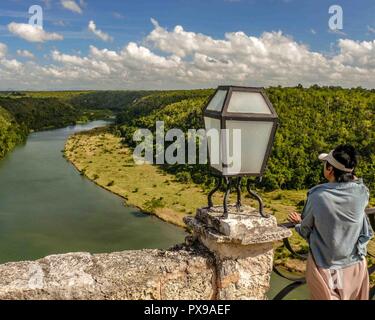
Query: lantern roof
(240, 103)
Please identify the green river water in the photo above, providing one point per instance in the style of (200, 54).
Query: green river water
(46, 207)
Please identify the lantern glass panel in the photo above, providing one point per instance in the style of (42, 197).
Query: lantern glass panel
(248, 102)
(217, 101)
(255, 136)
(213, 129)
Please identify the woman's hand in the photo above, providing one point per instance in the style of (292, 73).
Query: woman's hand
(295, 218)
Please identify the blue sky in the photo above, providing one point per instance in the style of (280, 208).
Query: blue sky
(212, 17)
(127, 21)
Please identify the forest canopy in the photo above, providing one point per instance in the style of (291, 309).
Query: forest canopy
(312, 120)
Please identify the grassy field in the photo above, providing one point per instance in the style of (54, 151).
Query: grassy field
(102, 157)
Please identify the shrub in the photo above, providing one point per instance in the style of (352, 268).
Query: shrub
(110, 184)
(183, 177)
(153, 204)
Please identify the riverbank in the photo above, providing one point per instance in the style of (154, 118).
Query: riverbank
(101, 157)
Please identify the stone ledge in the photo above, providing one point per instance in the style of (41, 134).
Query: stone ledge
(245, 228)
(180, 273)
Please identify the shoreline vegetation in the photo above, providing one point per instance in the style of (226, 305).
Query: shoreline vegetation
(102, 157)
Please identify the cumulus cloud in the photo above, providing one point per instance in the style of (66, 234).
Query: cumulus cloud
(356, 54)
(7, 65)
(12, 65)
(32, 33)
(71, 5)
(3, 50)
(25, 54)
(171, 59)
(99, 67)
(100, 34)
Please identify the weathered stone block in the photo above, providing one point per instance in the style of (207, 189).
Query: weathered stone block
(243, 246)
(184, 273)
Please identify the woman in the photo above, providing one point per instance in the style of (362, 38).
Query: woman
(337, 229)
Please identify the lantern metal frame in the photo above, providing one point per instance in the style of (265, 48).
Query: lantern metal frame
(223, 115)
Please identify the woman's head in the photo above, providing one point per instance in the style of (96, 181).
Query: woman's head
(340, 163)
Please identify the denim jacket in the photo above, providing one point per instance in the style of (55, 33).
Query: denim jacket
(335, 224)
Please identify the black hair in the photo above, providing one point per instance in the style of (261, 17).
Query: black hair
(348, 156)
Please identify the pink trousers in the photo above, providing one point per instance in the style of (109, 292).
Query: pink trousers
(348, 283)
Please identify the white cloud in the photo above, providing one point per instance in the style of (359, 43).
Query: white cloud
(100, 34)
(9, 65)
(25, 54)
(32, 33)
(71, 5)
(12, 65)
(186, 59)
(3, 50)
(356, 54)
(72, 61)
(68, 59)
(183, 43)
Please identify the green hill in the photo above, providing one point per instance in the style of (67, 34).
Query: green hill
(11, 133)
(40, 110)
(312, 120)
(41, 113)
(110, 100)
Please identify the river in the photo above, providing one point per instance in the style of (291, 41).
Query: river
(46, 207)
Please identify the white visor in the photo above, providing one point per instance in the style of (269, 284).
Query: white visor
(332, 161)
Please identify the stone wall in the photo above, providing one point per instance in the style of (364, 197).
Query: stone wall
(180, 273)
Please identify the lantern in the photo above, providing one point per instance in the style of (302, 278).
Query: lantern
(241, 124)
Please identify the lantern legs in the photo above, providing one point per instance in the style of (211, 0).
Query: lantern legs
(217, 187)
(255, 195)
(229, 182)
(238, 189)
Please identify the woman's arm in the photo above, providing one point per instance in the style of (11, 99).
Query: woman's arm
(306, 226)
(366, 234)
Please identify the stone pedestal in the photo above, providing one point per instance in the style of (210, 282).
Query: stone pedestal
(243, 248)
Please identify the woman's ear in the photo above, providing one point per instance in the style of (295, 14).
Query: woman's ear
(330, 171)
